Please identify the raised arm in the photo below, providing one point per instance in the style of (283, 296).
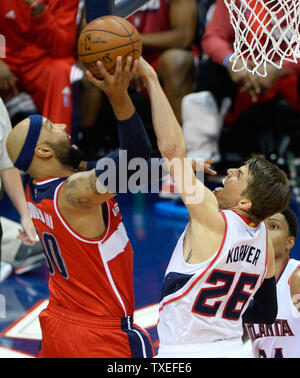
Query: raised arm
(200, 201)
(86, 189)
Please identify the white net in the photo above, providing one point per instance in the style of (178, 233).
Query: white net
(266, 31)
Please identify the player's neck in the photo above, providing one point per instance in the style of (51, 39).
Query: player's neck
(56, 170)
(280, 263)
(246, 218)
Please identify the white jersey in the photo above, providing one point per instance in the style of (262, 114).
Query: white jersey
(203, 303)
(282, 338)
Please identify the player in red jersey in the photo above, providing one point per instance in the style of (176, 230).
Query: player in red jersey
(40, 42)
(89, 256)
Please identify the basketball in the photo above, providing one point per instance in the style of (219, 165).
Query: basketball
(106, 38)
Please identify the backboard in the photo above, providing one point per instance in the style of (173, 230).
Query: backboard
(122, 8)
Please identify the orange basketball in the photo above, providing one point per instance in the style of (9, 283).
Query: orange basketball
(104, 39)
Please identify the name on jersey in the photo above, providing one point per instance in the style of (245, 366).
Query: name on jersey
(280, 327)
(36, 213)
(243, 252)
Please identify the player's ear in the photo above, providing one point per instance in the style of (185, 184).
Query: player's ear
(245, 204)
(43, 150)
(290, 243)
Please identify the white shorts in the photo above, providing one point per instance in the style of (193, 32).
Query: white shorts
(232, 348)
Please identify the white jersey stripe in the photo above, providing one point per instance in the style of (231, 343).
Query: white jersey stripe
(112, 284)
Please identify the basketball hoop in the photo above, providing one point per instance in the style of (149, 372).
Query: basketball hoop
(266, 31)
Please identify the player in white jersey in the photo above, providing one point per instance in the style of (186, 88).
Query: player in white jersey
(282, 338)
(220, 261)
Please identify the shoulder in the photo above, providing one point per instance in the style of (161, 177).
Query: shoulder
(295, 279)
(82, 191)
(295, 287)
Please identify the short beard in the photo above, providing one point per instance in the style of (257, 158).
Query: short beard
(71, 157)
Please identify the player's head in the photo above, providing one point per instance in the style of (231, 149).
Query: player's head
(38, 139)
(258, 188)
(283, 230)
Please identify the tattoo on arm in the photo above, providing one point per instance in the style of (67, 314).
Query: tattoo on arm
(80, 190)
(93, 183)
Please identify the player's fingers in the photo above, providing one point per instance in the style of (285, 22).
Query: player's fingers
(207, 169)
(89, 75)
(119, 68)
(103, 73)
(99, 83)
(204, 167)
(135, 66)
(209, 161)
(93, 79)
(128, 64)
(23, 237)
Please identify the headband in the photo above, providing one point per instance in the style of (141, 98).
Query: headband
(26, 155)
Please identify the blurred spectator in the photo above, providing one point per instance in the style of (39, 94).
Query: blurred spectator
(22, 257)
(282, 338)
(40, 38)
(167, 29)
(221, 92)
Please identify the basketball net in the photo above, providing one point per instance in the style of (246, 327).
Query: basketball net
(266, 31)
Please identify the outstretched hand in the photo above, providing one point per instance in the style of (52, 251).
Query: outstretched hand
(204, 166)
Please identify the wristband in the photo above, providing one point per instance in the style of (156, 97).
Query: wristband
(226, 59)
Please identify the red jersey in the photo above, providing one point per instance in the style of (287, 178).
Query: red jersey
(87, 276)
(29, 38)
(153, 17)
